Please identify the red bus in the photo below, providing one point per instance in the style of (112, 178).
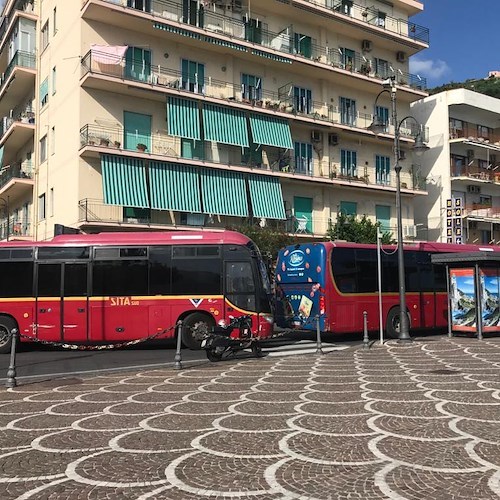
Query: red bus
(337, 281)
(116, 287)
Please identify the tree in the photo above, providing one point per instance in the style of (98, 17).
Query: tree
(268, 239)
(350, 228)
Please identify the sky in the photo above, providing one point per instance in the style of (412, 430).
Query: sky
(464, 40)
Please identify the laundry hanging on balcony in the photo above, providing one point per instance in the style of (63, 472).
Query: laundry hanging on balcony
(108, 54)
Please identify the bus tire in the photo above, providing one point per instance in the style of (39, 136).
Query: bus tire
(202, 322)
(6, 326)
(392, 323)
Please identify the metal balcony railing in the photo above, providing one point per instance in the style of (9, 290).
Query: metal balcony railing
(475, 132)
(282, 41)
(19, 170)
(21, 59)
(14, 228)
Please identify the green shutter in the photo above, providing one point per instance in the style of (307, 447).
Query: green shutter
(224, 193)
(225, 125)
(271, 131)
(266, 197)
(183, 118)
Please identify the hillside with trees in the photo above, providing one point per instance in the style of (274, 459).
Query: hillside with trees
(488, 86)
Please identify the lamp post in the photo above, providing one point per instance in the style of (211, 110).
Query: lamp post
(6, 208)
(419, 147)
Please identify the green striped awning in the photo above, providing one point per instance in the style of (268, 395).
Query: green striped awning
(183, 118)
(225, 43)
(178, 31)
(273, 57)
(271, 131)
(266, 197)
(225, 125)
(224, 193)
(174, 186)
(124, 181)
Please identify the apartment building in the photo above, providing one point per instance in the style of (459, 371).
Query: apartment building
(164, 114)
(462, 168)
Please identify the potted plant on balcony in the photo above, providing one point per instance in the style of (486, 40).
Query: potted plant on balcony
(141, 147)
(104, 141)
(117, 144)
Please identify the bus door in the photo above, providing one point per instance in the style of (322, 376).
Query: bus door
(61, 299)
(427, 305)
(240, 287)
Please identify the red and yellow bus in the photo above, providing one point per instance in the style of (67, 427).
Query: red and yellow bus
(117, 287)
(337, 281)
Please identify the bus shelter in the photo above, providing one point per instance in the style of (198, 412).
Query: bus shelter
(473, 291)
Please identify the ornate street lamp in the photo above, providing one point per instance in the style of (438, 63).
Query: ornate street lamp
(419, 147)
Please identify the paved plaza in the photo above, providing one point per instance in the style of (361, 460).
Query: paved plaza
(403, 422)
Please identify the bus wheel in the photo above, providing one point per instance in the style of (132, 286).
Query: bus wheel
(393, 323)
(6, 326)
(194, 327)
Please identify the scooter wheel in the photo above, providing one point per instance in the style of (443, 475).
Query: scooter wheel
(213, 355)
(257, 350)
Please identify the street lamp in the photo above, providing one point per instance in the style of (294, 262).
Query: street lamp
(6, 208)
(419, 147)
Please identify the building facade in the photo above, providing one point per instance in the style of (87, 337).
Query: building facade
(156, 114)
(462, 168)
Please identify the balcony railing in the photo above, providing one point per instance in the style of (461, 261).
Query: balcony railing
(23, 5)
(282, 41)
(476, 133)
(281, 100)
(112, 140)
(14, 228)
(22, 59)
(20, 170)
(22, 117)
(473, 171)
(482, 210)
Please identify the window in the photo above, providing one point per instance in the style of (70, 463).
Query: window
(252, 156)
(381, 19)
(302, 100)
(17, 279)
(54, 21)
(120, 277)
(44, 92)
(347, 111)
(348, 208)
(138, 64)
(134, 214)
(302, 45)
(253, 30)
(240, 285)
(43, 149)
(41, 207)
(382, 170)
(456, 128)
(193, 76)
(144, 5)
(383, 215)
(303, 158)
(54, 74)
(348, 58)
(381, 68)
(348, 163)
(251, 87)
(193, 12)
(382, 114)
(483, 132)
(345, 7)
(52, 140)
(45, 35)
(190, 148)
(51, 202)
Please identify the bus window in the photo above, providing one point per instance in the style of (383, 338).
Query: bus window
(120, 277)
(63, 253)
(366, 269)
(49, 280)
(75, 280)
(412, 281)
(17, 279)
(240, 285)
(160, 268)
(344, 270)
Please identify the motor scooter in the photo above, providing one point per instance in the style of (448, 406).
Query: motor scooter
(229, 339)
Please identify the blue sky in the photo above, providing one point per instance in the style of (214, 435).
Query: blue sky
(464, 40)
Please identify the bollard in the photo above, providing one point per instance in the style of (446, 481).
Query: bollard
(319, 350)
(178, 357)
(366, 340)
(11, 372)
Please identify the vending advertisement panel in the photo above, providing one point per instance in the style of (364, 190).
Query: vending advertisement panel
(489, 299)
(463, 300)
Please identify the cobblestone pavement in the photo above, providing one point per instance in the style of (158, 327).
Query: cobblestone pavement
(420, 421)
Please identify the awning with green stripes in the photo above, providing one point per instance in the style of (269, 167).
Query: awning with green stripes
(224, 193)
(183, 118)
(225, 43)
(266, 197)
(178, 31)
(271, 131)
(124, 181)
(225, 125)
(174, 186)
(273, 57)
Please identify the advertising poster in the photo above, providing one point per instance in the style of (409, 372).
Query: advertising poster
(489, 300)
(463, 300)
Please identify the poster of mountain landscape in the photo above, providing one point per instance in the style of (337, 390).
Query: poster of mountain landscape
(489, 300)
(463, 300)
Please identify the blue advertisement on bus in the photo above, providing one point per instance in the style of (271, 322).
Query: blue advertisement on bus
(300, 280)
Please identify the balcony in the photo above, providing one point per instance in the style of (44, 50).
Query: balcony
(18, 6)
(167, 80)
(168, 16)
(478, 210)
(96, 140)
(15, 229)
(18, 80)
(15, 132)
(21, 173)
(475, 133)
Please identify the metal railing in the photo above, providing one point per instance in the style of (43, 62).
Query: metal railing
(475, 132)
(19, 170)
(482, 210)
(14, 228)
(22, 59)
(21, 117)
(282, 41)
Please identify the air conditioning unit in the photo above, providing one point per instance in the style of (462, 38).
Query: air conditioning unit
(333, 139)
(473, 189)
(316, 136)
(366, 45)
(401, 56)
(470, 154)
(410, 231)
